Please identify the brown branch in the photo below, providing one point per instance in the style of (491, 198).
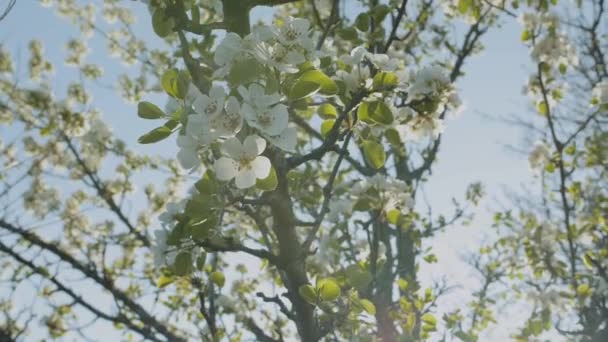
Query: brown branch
(144, 331)
(87, 270)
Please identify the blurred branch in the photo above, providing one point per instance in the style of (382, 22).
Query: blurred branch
(9, 7)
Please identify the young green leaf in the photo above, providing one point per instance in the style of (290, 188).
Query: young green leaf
(217, 278)
(155, 135)
(374, 153)
(308, 293)
(147, 110)
(269, 183)
(327, 111)
(328, 289)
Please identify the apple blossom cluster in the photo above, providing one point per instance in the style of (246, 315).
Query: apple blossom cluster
(165, 253)
(380, 192)
(549, 46)
(221, 115)
(539, 156)
(599, 95)
(469, 10)
(429, 93)
(218, 116)
(246, 111)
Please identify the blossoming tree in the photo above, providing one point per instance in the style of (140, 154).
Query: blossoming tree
(305, 142)
(331, 210)
(553, 244)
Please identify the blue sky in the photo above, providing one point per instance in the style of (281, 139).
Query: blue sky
(473, 147)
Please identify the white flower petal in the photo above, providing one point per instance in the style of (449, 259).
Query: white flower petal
(287, 140)
(261, 166)
(217, 93)
(233, 105)
(253, 146)
(280, 120)
(225, 168)
(188, 158)
(201, 103)
(233, 148)
(245, 179)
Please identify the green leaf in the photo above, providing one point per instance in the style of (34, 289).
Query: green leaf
(382, 114)
(368, 306)
(155, 135)
(244, 71)
(392, 136)
(385, 80)
(164, 281)
(380, 12)
(542, 108)
(525, 35)
(303, 89)
(183, 264)
(201, 228)
(161, 23)
(358, 277)
(402, 283)
(374, 154)
(326, 126)
(362, 22)
(207, 185)
(431, 258)
(200, 261)
(328, 289)
(218, 278)
(588, 261)
(147, 110)
(269, 183)
(583, 290)
(463, 6)
(175, 83)
(348, 33)
(326, 84)
(308, 293)
(375, 112)
(429, 319)
(327, 111)
(393, 216)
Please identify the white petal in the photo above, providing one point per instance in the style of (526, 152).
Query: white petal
(200, 104)
(253, 146)
(233, 148)
(294, 57)
(249, 113)
(225, 168)
(217, 93)
(287, 140)
(232, 105)
(261, 166)
(185, 141)
(280, 120)
(256, 91)
(188, 158)
(301, 25)
(245, 179)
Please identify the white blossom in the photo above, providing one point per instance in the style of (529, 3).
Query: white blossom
(422, 126)
(540, 155)
(229, 122)
(339, 208)
(263, 111)
(600, 94)
(211, 104)
(286, 140)
(171, 210)
(243, 161)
